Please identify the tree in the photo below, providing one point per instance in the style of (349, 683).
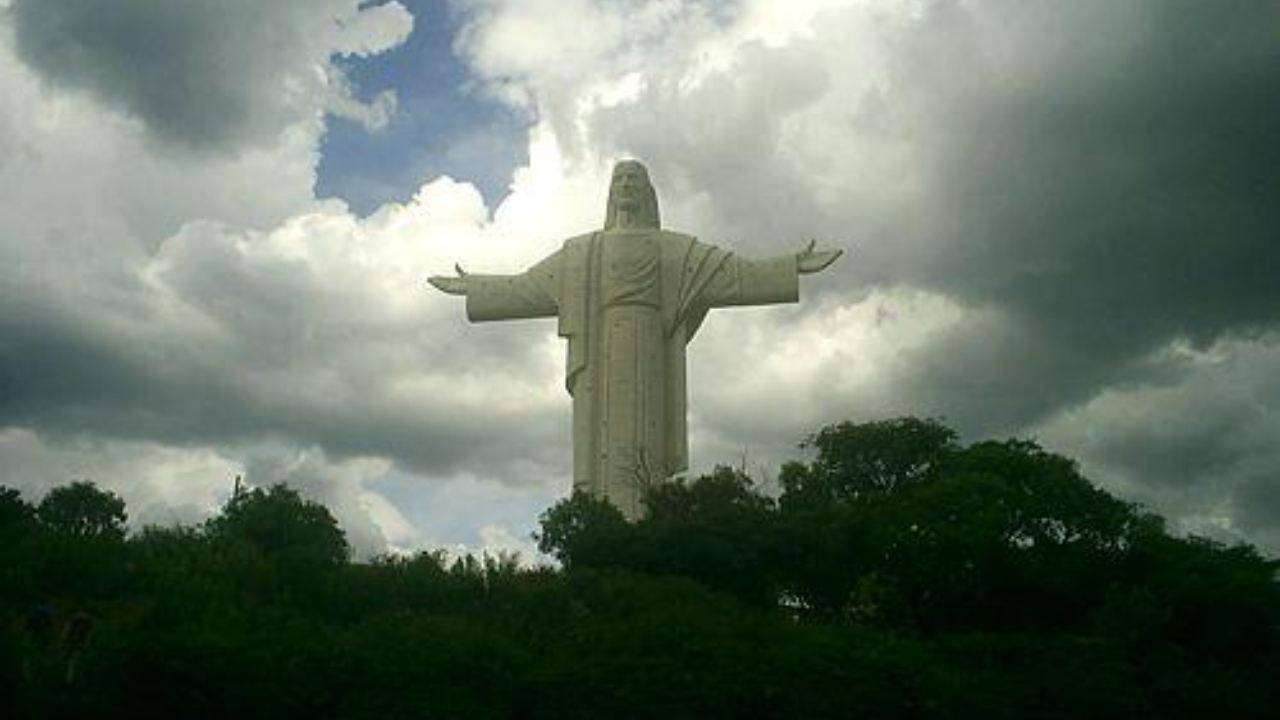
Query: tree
(17, 516)
(857, 460)
(726, 494)
(1002, 583)
(583, 530)
(278, 521)
(715, 529)
(82, 510)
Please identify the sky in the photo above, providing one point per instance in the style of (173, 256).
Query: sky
(217, 218)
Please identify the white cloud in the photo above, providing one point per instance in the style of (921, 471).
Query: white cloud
(373, 30)
(499, 541)
(190, 306)
(810, 366)
(160, 484)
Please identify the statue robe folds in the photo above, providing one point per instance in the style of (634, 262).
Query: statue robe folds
(628, 302)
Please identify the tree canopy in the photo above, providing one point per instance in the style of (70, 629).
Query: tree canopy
(279, 521)
(82, 510)
(896, 574)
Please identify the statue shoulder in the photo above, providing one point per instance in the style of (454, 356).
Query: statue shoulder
(575, 249)
(685, 244)
(677, 243)
(577, 241)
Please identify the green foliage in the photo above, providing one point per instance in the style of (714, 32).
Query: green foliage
(17, 516)
(82, 510)
(278, 522)
(714, 529)
(898, 575)
(725, 497)
(717, 530)
(995, 537)
(860, 460)
(583, 530)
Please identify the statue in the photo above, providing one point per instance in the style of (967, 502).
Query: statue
(629, 298)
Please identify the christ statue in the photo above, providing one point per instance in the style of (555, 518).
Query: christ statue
(629, 298)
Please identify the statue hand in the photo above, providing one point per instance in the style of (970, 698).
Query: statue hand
(810, 260)
(451, 285)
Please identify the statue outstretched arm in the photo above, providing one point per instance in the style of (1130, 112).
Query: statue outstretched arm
(530, 294)
(741, 281)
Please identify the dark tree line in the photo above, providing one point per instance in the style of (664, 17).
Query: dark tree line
(897, 575)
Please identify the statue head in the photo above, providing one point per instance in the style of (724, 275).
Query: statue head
(632, 201)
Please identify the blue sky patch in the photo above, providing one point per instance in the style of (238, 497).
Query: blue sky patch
(440, 126)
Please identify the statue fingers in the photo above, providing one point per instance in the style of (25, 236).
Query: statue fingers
(815, 261)
(450, 285)
(826, 257)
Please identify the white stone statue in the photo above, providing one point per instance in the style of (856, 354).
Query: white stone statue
(629, 298)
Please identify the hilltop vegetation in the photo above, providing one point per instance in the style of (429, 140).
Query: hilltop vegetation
(897, 575)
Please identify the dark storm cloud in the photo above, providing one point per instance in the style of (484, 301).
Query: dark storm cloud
(264, 346)
(1201, 445)
(1109, 186)
(1093, 180)
(62, 383)
(1255, 508)
(207, 75)
(1101, 182)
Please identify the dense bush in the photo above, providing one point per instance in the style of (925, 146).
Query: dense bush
(897, 575)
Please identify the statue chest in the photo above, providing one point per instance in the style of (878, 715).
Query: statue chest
(630, 269)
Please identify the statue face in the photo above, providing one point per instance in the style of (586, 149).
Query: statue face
(629, 181)
(631, 193)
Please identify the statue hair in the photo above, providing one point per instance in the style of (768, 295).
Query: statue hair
(648, 214)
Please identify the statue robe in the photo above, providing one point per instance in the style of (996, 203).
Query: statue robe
(628, 302)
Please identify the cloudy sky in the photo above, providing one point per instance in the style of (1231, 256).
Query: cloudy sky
(217, 216)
